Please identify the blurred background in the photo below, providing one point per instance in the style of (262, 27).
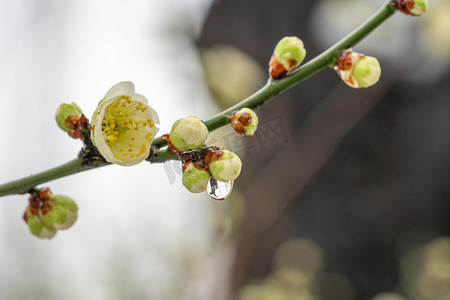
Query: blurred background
(344, 194)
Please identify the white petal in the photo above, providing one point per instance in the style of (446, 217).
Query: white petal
(121, 88)
(133, 161)
(155, 117)
(98, 136)
(138, 97)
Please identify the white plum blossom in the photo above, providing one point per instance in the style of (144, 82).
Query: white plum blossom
(123, 125)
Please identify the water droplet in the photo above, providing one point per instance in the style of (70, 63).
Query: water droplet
(219, 190)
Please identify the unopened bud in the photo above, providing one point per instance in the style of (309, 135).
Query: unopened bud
(225, 167)
(244, 121)
(46, 213)
(67, 116)
(188, 133)
(38, 228)
(194, 179)
(288, 54)
(411, 7)
(358, 70)
(63, 214)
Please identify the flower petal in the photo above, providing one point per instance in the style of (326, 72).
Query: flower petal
(138, 97)
(155, 117)
(121, 88)
(98, 135)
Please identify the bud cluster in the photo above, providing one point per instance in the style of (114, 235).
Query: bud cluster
(47, 213)
(222, 165)
(202, 164)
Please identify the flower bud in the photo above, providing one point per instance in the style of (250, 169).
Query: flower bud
(244, 121)
(411, 7)
(358, 70)
(225, 167)
(63, 214)
(288, 54)
(46, 213)
(123, 125)
(195, 180)
(38, 228)
(67, 115)
(188, 133)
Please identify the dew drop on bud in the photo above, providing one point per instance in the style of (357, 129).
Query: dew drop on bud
(219, 190)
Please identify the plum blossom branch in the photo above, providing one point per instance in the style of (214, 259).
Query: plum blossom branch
(269, 91)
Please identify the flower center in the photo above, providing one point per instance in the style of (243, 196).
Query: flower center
(127, 128)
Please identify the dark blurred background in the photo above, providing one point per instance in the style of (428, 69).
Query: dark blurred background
(346, 183)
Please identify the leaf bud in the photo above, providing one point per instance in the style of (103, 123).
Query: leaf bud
(244, 121)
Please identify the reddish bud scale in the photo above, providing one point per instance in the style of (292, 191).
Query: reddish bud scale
(344, 63)
(276, 69)
(171, 146)
(202, 163)
(76, 125)
(212, 155)
(38, 203)
(405, 6)
(238, 120)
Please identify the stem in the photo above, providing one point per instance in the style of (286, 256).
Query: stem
(322, 61)
(267, 92)
(160, 156)
(24, 185)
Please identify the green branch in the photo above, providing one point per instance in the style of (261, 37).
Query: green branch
(269, 91)
(24, 185)
(324, 60)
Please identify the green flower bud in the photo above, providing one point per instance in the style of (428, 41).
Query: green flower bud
(358, 70)
(367, 71)
(411, 7)
(226, 167)
(188, 133)
(288, 54)
(38, 228)
(67, 115)
(63, 214)
(195, 180)
(244, 121)
(419, 7)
